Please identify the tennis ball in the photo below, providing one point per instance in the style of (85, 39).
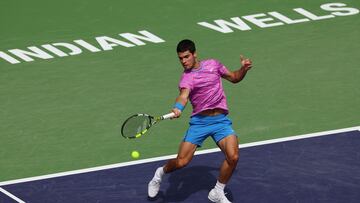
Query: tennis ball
(135, 154)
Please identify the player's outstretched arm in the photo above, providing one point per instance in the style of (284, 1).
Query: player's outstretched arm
(238, 75)
(181, 102)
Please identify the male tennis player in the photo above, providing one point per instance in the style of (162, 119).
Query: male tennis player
(201, 83)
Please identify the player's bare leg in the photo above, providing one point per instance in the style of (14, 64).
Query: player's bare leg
(185, 154)
(229, 146)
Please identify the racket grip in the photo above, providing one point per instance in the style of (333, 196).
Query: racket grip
(167, 116)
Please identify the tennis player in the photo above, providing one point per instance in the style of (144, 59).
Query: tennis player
(201, 84)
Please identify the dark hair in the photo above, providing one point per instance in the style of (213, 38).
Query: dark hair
(186, 45)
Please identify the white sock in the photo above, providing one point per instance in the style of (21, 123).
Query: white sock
(219, 186)
(159, 173)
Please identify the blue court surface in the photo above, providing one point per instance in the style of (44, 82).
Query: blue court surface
(321, 168)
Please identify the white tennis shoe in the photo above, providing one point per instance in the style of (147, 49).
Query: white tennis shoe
(218, 196)
(153, 188)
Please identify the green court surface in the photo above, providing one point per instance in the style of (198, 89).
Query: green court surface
(64, 113)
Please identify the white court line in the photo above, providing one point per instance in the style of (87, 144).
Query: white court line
(11, 195)
(118, 165)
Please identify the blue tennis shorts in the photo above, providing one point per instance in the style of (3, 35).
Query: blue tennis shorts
(201, 127)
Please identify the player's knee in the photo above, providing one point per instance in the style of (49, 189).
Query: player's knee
(233, 159)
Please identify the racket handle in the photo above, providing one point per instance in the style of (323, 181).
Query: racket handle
(167, 116)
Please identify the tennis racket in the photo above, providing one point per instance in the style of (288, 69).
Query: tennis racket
(137, 125)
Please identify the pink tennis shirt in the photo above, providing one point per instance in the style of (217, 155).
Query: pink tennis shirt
(206, 90)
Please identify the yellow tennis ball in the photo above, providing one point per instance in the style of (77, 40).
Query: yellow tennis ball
(135, 154)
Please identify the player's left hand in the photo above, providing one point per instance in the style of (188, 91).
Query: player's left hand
(245, 63)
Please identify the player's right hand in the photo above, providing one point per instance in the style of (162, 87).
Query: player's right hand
(177, 112)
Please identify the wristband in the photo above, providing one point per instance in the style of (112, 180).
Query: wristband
(179, 106)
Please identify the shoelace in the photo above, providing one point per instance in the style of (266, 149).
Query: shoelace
(154, 182)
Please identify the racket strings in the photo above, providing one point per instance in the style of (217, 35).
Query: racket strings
(136, 126)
